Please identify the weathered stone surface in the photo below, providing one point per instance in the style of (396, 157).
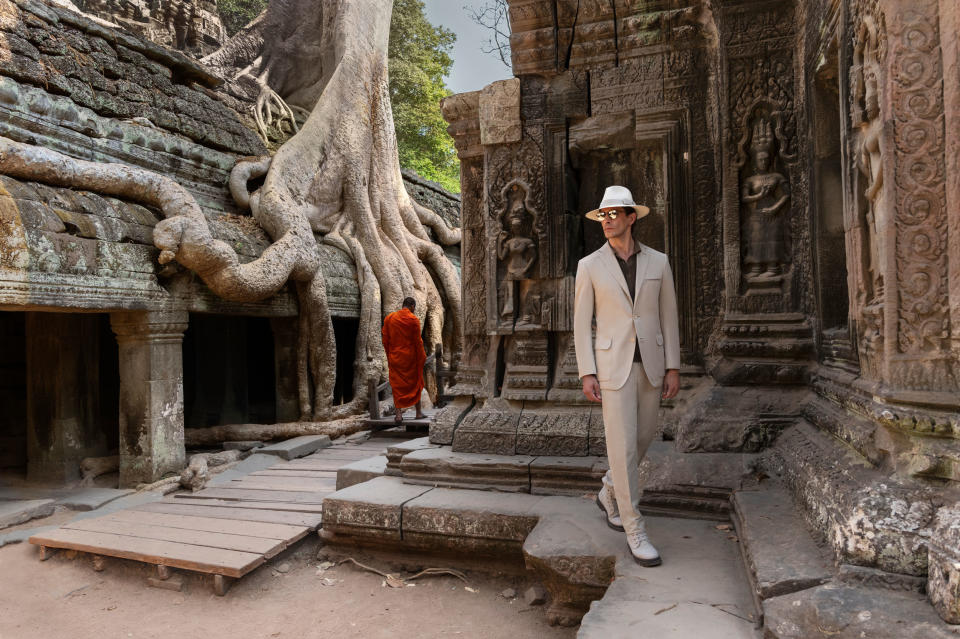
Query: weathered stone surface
(845, 612)
(90, 498)
(500, 112)
(868, 518)
(447, 419)
(297, 446)
(482, 520)
(781, 556)
(943, 583)
(566, 475)
(549, 433)
(396, 452)
(370, 510)
(360, 471)
(739, 419)
(19, 511)
(697, 592)
(872, 578)
(488, 430)
(443, 467)
(151, 394)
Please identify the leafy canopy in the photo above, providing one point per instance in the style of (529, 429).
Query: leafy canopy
(419, 58)
(236, 14)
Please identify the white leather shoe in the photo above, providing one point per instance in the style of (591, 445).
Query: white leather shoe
(642, 550)
(608, 505)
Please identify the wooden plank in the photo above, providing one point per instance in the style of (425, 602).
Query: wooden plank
(332, 465)
(313, 509)
(353, 454)
(317, 492)
(376, 448)
(281, 532)
(303, 484)
(310, 474)
(243, 543)
(231, 563)
(266, 496)
(208, 509)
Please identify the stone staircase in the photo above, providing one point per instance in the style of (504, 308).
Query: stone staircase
(539, 510)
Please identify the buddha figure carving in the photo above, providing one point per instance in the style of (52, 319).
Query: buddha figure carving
(764, 195)
(516, 252)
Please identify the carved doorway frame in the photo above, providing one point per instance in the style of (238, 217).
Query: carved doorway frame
(671, 130)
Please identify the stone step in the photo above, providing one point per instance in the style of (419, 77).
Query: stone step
(564, 540)
(361, 471)
(778, 551)
(396, 452)
(677, 484)
(842, 611)
(18, 511)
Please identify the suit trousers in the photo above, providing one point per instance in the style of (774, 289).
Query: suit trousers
(629, 424)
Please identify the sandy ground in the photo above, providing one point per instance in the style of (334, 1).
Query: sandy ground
(64, 597)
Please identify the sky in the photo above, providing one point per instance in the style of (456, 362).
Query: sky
(472, 69)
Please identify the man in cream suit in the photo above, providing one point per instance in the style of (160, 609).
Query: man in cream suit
(633, 361)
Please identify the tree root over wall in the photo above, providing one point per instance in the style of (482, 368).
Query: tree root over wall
(338, 176)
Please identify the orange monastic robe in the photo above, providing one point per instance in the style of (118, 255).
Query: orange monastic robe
(405, 356)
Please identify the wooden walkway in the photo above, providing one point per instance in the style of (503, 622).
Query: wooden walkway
(226, 530)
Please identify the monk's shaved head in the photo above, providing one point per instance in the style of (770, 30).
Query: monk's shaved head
(409, 302)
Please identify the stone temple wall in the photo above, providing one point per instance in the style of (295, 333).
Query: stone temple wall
(191, 26)
(79, 268)
(800, 162)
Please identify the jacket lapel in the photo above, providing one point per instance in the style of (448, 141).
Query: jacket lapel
(609, 261)
(643, 259)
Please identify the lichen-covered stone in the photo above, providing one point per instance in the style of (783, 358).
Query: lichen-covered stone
(943, 581)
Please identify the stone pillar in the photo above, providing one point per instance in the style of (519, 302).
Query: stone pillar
(285, 367)
(62, 394)
(462, 111)
(151, 394)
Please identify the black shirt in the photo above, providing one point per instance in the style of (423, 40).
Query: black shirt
(629, 269)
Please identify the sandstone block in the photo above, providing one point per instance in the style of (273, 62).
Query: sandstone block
(297, 446)
(443, 467)
(371, 509)
(943, 580)
(781, 556)
(361, 471)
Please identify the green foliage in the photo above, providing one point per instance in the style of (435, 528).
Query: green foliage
(236, 14)
(419, 57)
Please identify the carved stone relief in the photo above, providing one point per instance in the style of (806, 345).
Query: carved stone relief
(516, 253)
(764, 197)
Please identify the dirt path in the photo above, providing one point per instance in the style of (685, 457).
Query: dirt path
(64, 597)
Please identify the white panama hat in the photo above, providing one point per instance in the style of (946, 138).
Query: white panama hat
(618, 196)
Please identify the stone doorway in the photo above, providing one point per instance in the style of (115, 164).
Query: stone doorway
(833, 300)
(649, 154)
(59, 392)
(229, 374)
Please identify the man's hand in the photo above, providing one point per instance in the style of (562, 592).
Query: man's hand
(591, 388)
(671, 384)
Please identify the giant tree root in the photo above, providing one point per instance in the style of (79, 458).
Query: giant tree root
(264, 432)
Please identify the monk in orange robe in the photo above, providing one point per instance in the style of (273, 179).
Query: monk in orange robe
(405, 357)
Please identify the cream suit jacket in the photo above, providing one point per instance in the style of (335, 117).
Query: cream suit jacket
(650, 319)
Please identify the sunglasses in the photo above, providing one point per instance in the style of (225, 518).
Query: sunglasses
(611, 214)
